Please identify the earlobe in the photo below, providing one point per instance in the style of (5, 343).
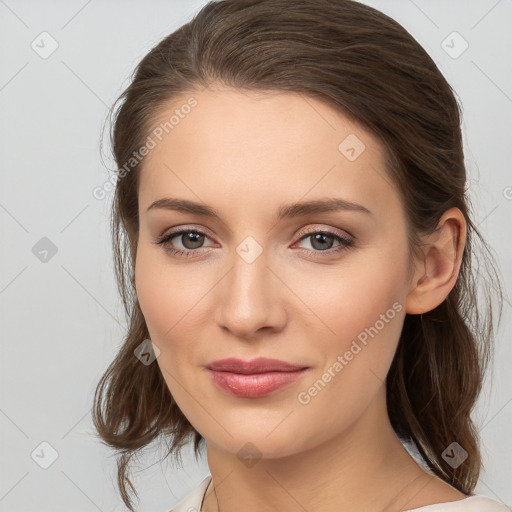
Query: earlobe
(437, 272)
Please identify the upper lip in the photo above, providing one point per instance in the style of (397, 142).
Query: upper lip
(259, 365)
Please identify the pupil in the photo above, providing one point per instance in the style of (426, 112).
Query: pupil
(320, 237)
(196, 239)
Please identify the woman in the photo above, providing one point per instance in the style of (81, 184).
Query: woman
(293, 245)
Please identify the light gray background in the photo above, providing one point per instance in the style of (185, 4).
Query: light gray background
(61, 320)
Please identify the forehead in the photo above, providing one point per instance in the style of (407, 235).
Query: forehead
(264, 145)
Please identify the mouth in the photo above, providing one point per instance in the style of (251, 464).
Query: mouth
(256, 378)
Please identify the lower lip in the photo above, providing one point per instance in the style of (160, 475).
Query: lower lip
(255, 385)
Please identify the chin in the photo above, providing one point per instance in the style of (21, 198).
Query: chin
(251, 444)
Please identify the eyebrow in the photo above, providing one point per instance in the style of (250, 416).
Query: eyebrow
(286, 211)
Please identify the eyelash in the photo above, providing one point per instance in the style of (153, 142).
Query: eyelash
(345, 243)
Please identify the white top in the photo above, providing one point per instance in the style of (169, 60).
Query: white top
(476, 503)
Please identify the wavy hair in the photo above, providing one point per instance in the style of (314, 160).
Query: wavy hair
(368, 67)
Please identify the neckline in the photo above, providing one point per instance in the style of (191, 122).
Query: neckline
(442, 503)
(207, 480)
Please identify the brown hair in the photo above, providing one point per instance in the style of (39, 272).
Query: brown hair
(368, 67)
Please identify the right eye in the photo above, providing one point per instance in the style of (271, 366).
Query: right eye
(191, 240)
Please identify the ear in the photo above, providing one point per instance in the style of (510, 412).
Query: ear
(437, 270)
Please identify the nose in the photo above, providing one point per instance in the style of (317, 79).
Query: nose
(251, 299)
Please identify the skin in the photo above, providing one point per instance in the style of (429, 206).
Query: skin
(245, 154)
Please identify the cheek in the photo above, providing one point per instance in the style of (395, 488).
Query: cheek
(364, 311)
(167, 299)
(148, 283)
(174, 304)
(165, 296)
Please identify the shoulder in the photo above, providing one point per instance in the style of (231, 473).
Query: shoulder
(475, 503)
(192, 501)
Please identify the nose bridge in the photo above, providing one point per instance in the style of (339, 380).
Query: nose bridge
(249, 280)
(247, 299)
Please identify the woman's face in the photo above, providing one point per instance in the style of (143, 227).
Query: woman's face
(256, 284)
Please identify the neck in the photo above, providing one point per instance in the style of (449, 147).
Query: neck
(365, 467)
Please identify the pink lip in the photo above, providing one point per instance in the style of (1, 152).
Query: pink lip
(256, 378)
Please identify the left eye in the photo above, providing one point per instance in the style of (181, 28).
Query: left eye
(192, 240)
(320, 240)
